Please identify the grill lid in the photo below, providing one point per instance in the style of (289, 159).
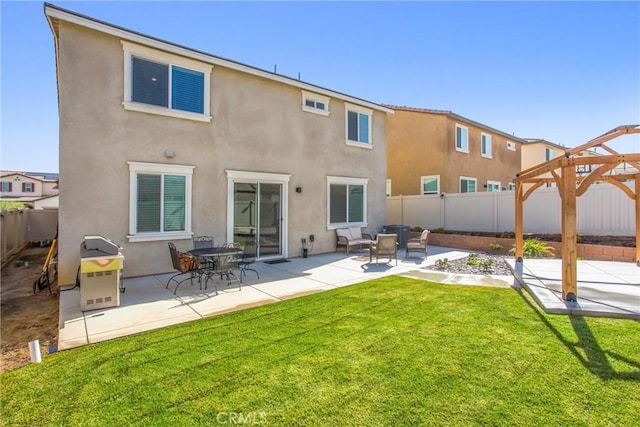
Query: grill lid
(97, 246)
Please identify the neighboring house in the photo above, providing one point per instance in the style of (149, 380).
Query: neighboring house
(34, 190)
(436, 151)
(159, 142)
(536, 151)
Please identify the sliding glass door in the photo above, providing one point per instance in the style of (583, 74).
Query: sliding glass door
(258, 216)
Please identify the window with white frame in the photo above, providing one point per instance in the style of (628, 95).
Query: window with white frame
(358, 126)
(346, 202)
(6, 186)
(28, 187)
(485, 145)
(511, 146)
(160, 201)
(494, 186)
(468, 185)
(512, 186)
(548, 153)
(388, 188)
(430, 184)
(160, 83)
(314, 103)
(462, 138)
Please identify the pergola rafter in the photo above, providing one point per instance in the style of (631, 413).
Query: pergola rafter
(573, 182)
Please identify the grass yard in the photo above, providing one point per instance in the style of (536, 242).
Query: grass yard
(393, 351)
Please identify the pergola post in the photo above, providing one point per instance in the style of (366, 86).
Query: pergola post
(519, 222)
(569, 236)
(637, 200)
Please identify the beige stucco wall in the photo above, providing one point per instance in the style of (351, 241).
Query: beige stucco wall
(258, 125)
(416, 147)
(422, 143)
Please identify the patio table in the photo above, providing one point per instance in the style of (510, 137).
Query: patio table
(217, 257)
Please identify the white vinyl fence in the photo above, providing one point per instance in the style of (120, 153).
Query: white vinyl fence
(19, 227)
(602, 210)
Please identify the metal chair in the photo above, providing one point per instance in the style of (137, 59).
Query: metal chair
(204, 242)
(226, 264)
(385, 245)
(418, 245)
(185, 264)
(248, 257)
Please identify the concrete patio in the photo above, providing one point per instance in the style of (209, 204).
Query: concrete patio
(605, 288)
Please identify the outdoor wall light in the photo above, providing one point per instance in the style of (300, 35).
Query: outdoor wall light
(169, 154)
(298, 189)
(442, 195)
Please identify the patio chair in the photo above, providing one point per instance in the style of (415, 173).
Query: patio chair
(204, 242)
(248, 257)
(418, 245)
(226, 264)
(186, 265)
(386, 246)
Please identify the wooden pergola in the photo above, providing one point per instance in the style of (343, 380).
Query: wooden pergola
(576, 174)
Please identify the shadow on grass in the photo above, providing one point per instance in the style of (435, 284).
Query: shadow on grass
(587, 349)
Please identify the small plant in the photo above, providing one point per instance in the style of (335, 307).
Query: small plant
(534, 248)
(496, 247)
(486, 264)
(442, 262)
(473, 255)
(417, 229)
(438, 230)
(473, 261)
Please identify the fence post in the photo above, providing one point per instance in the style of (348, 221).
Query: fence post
(495, 211)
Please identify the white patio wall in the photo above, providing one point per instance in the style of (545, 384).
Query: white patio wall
(602, 210)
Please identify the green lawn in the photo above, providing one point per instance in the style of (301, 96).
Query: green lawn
(392, 351)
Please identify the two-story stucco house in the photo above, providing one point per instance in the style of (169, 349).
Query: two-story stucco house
(438, 151)
(34, 190)
(160, 143)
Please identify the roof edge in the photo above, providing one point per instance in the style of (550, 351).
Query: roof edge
(53, 11)
(453, 115)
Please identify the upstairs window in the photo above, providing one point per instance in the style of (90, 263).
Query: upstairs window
(430, 184)
(462, 138)
(468, 185)
(358, 123)
(485, 142)
(6, 186)
(165, 84)
(28, 187)
(548, 154)
(314, 103)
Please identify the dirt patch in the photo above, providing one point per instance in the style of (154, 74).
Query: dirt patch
(26, 316)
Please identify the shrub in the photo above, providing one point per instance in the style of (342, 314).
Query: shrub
(6, 205)
(534, 248)
(496, 246)
(418, 229)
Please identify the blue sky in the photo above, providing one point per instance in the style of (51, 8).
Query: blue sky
(563, 71)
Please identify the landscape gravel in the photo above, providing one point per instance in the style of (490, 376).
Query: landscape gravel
(498, 266)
